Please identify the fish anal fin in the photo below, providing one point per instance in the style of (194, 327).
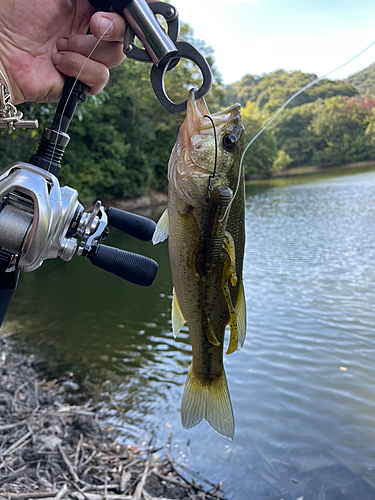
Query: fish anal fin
(208, 402)
(162, 228)
(178, 319)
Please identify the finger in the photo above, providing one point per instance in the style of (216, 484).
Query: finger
(91, 73)
(108, 25)
(109, 53)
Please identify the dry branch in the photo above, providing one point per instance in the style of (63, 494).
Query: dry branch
(50, 450)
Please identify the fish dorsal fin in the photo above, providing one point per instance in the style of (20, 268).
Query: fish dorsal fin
(162, 228)
(241, 315)
(178, 319)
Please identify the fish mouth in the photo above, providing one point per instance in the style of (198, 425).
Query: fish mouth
(197, 112)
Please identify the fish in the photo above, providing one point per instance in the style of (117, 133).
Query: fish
(205, 225)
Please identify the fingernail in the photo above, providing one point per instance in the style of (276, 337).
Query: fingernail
(56, 58)
(105, 26)
(62, 44)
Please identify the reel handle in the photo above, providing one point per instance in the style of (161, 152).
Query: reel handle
(132, 267)
(135, 225)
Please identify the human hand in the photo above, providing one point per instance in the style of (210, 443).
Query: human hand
(43, 40)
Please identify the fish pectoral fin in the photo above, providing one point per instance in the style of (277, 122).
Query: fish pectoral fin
(162, 228)
(178, 319)
(229, 272)
(241, 315)
(209, 402)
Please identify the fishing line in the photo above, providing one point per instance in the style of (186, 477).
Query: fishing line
(71, 90)
(212, 176)
(279, 111)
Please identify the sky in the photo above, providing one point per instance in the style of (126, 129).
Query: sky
(260, 36)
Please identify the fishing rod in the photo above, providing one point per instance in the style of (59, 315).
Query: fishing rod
(41, 220)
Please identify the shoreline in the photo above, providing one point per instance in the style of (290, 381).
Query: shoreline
(307, 171)
(53, 450)
(153, 204)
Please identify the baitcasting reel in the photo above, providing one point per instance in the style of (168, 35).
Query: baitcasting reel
(40, 220)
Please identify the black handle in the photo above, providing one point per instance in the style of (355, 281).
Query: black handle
(55, 139)
(8, 285)
(118, 5)
(135, 225)
(73, 93)
(132, 267)
(101, 4)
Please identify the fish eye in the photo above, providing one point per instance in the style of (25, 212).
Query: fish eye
(229, 142)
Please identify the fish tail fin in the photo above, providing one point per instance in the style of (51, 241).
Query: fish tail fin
(208, 402)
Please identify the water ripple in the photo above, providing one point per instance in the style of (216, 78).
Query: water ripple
(303, 386)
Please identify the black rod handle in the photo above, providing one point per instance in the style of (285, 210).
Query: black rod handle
(132, 267)
(55, 138)
(8, 285)
(73, 93)
(135, 225)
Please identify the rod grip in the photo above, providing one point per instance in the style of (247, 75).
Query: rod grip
(132, 267)
(101, 4)
(8, 285)
(118, 5)
(135, 225)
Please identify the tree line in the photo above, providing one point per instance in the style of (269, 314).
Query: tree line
(329, 123)
(122, 139)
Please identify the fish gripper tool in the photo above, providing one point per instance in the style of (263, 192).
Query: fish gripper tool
(161, 48)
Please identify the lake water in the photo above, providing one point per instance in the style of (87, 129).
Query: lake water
(303, 386)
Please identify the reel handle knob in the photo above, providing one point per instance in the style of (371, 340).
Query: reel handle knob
(132, 267)
(135, 225)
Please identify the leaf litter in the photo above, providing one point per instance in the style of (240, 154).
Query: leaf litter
(53, 450)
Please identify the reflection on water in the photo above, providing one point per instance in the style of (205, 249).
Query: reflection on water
(303, 386)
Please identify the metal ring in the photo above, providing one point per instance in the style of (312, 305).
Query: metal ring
(157, 75)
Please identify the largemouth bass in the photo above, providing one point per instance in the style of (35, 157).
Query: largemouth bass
(205, 223)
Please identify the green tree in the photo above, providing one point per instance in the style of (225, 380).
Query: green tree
(364, 81)
(270, 91)
(261, 154)
(281, 161)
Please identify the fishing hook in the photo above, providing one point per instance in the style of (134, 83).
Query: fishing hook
(212, 176)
